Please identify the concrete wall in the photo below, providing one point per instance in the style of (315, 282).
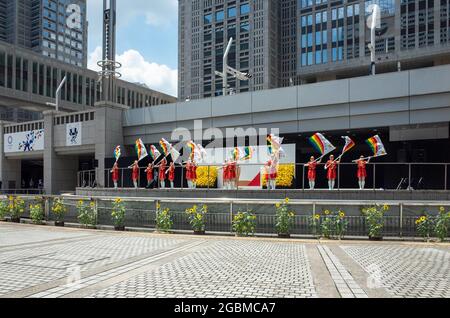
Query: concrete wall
(403, 98)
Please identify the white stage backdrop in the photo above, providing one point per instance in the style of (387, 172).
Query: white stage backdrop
(250, 169)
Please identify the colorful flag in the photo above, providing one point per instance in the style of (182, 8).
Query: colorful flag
(117, 153)
(200, 153)
(154, 152)
(377, 146)
(192, 146)
(321, 144)
(275, 142)
(140, 150)
(235, 153)
(248, 153)
(349, 144)
(165, 145)
(168, 149)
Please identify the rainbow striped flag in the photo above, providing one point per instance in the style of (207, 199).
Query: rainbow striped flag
(248, 153)
(117, 153)
(235, 153)
(168, 149)
(349, 144)
(141, 151)
(165, 145)
(154, 152)
(192, 146)
(376, 145)
(321, 144)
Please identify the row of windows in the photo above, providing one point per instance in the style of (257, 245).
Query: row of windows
(23, 127)
(74, 118)
(17, 73)
(231, 12)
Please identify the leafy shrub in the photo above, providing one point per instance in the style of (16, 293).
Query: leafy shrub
(375, 219)
(59, 209)
(244, 223)
(164, 220)
(118, 213)
(87, 213)
(36, 213)
(284, 218)
(197, 217)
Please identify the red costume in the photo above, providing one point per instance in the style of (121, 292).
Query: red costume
(135, 173)
(171, 173)
(312, 171)
(194, 172)
(331, 173)
(232, 171)
(189, 171)
(162, 171)
(115, 174)
(149, 174)
(226, 172)
(362, 172)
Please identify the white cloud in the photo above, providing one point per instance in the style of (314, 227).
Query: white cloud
(136, 69)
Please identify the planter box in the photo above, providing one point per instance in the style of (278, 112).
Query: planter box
(14, 220)
(286, 236)
(120, 228)
(59, 223)
(378, 238)
(199, 232)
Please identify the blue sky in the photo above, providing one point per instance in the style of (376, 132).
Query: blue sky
(147, 40)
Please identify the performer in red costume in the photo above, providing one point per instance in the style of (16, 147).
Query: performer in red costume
(194, 174)
(162, 173)
(188, 167)
(150, 176)
(272, 172)
(232, 174)
(362, 172)
(226, 175)
(331, 167)
(115, 174)
(171, 172)
(135, 173)
(312, 166)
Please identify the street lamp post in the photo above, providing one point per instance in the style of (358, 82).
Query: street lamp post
(373, 24)
(58, 94)
(229, 70)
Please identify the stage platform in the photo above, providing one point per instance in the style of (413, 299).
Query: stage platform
(342, 194)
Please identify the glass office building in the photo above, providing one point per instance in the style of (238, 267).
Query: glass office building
(54, 28)
(287, 42)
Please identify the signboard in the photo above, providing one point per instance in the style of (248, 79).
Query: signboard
(26, 141)
(73, 134)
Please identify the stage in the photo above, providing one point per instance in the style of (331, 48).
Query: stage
(320, 194)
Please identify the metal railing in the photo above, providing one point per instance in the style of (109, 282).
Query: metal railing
(140, 213)
(380, 176)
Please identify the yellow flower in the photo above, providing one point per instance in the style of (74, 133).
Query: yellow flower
(158, 205)
(317, 216)
(205, 208)
(286, 200)
(385, 207)
(441, 209)
(278, 205)
(118, 200)
(423, 218)
(80, 202)
(327, 212)
(341, 215)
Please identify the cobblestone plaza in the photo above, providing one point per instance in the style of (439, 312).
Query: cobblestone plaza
(48, 262)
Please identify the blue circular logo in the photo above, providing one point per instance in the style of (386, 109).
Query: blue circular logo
(10, 140)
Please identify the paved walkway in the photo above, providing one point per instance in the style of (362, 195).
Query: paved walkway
(49, 262)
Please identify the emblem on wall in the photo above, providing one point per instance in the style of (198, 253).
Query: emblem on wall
(73, 134)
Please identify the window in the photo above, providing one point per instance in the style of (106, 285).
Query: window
(232, 12)
(208, 19)
(219, 16)
(245, 9)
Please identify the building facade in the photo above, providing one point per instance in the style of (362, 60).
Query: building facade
(53, 28)
(287, 42)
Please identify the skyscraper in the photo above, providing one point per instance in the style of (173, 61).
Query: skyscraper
(54, 28)
(286, 42)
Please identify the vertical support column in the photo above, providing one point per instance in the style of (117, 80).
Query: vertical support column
(108, 134)
(10, 170)
(60, 172)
